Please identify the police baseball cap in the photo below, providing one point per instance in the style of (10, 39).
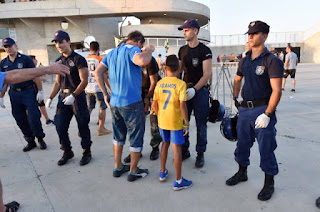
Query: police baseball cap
(258, 26)
(60, 36)
(172, 61)
(8, 42)
(190, 23)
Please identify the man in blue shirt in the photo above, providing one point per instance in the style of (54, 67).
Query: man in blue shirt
(261, 93)
(23, 96)
(125, 77)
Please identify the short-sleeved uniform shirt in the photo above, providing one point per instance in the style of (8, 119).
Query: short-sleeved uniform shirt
(168, 93)
(125, 77)
(21, 61)
(149, 70)
(257, 74)
(75, 62)
(2, 76)
(93, 62)
(192, 60)
(292, 61)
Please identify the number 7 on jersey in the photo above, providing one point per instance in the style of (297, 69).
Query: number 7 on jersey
(168, 98)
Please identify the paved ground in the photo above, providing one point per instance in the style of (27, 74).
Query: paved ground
(34, 179)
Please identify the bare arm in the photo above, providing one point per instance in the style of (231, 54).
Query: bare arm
(275, 95)
(237, 86)
(99, 75)
(4, 90)
(106, 81)
(84, 74)
(153, 83)
(38, 83)
(184, 110)
(144, 58)
(207, 73)
(55, 88)
(155, 107)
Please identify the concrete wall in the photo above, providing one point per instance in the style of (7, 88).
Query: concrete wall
(311, 49)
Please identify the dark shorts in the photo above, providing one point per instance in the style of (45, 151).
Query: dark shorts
(92, 99)
(41, 104)
(291, 72)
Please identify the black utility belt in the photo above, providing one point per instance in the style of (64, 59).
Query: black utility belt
(22, 88)
(253, 104)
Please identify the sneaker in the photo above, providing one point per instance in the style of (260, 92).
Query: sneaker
(293, 90)
(49, 123)
(128, 159)
(29, 146)
(163, 175)
(185, 155)
(66, 156)
(184, 184)
(86, 158)
(42, 144)
(119, 172)
(140, 173)
(103, 131)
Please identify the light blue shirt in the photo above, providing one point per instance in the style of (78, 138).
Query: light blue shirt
(2, 76)
(125, 77)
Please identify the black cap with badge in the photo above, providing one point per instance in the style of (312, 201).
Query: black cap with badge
(258, 26)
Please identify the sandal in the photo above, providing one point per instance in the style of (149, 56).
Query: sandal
(12, 206)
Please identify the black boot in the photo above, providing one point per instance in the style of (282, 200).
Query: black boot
(42, 144)
(240, 176)
(199, 160)
(268, 188)
(86, 158)
(128, 159)
(318, 202)
(185, 155)
(30, 145)
(67, 155)
(155, 153)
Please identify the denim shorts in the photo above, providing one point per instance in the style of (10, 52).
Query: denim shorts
(91, 100)
(129, 119)
(174, 136)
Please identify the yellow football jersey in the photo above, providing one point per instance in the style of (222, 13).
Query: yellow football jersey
(168, 93)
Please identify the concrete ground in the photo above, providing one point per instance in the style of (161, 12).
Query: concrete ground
(38, 184)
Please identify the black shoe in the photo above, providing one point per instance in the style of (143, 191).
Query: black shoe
(42, 144)
(199, 160)
(240, 176)
(128, 159)
(119, 172)
(268, 188)
(29, 146)
(66, 156)
(293, 90)
(155, 153)
(49, 123)
(86, 158)
(185, 155)
(140, 173)
(318, 202)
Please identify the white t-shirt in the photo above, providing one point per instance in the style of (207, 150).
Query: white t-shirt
(93, 62)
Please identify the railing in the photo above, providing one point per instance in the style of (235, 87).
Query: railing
(274, 37)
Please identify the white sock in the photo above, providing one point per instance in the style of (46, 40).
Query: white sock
(179, 181)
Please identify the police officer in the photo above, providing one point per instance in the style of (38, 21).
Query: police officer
(72, 99)
(196, 61)
(261, 93)
(23, 96)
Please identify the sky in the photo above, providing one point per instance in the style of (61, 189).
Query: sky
(233, 16)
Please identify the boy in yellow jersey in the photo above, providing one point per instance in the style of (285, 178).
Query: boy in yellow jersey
(169, 103)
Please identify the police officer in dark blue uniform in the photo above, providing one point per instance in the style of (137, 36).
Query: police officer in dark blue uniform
(261, 93)
(23, 96)
(72, 99)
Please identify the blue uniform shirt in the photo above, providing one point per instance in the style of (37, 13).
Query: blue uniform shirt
(21, 61)
(257, 74)
(124, 76)
(2, 76)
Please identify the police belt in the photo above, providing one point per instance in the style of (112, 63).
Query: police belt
(22, 88)
(253, 104)
(66, 90)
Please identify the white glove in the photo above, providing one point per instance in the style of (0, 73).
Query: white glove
(190, 93)
(68, 100)
(48, 103)
(2, 103)
(40, 96)
(262, 121)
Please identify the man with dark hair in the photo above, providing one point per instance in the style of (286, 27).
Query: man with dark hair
(23, 96)
(196, 63)
(41, 104)
(72, 99)
(261, 93)
(124, 70)
(290, 67)
(93, 91)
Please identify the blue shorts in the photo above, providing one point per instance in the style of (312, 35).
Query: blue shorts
(174, 136)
